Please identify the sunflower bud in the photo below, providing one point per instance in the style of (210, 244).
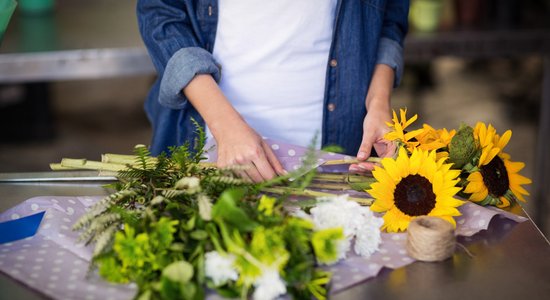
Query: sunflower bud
(462, 147)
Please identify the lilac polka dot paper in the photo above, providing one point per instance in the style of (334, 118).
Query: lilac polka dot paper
(53, 263)
(290, 156)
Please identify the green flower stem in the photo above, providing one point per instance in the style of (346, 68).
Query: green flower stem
(311, 193)
(123, 159)
(113, 163)
(470, 168)
(350, 161)
(340, 177)
(90, 165)
(331, 186)
(59, 167)
(331, 177)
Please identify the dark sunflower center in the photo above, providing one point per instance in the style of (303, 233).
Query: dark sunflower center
(414, 196)
(495, 177)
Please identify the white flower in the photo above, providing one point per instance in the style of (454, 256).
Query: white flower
(343, 248)
(367, 237)
(301, 214)
(269, 285)
(356, 221)
(336, 212)
(220, 268)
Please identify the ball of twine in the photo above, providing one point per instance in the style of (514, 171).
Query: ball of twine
(430, 239)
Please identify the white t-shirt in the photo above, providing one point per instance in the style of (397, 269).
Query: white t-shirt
(274, 58)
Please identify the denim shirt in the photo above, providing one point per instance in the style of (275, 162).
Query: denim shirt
(180, 34)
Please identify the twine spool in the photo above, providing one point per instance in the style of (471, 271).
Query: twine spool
(430, 239)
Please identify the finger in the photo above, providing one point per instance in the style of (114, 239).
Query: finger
(365, 148)
(273, 160)
(362, 167)
(264, 168)
(385, 148)
(241, 171)
(237, 165)
(254, 175)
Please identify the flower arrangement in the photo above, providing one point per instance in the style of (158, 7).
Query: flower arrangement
(433, 165)
(176, 225)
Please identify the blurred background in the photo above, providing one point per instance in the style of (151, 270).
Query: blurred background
(74, 75)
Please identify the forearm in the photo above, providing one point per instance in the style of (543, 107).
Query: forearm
(205, 95)
(238, 143)
(381, 86)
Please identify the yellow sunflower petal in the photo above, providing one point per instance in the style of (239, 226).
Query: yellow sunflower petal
(519, 196)
(474, 186)
(444, 211)
(450, 201)
(513, 167)
(476, 176)
(479, 195)
(396, 221)
(503, 202)
(504, 139)
(517, 189)
(381, 206)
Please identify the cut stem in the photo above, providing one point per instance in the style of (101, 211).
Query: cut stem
(90, 165)
(350, 161)
(311, 193)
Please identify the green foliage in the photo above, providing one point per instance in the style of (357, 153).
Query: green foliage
(175, 281)
(226, 210)
(325, 244)
(169, 211)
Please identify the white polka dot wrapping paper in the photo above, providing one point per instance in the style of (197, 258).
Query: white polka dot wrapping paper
(53, 263)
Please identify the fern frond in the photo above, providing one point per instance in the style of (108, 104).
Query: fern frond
(200, 141)
(97, 225)
(105, 239)
(143, 154)
(231, 180)
(101, 206)
(171, 193)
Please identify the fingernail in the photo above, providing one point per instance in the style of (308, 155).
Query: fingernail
(353, 168)
(362, 167)
(361, 155)
(285, 172)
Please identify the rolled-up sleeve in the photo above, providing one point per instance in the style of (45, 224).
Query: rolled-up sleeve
(173, 39)
(182, 67)
(391, 53)
(394, 30)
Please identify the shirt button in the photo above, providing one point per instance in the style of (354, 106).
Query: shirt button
(331, 107)
(333, 63)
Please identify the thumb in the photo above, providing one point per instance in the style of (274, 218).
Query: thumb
(365, 148)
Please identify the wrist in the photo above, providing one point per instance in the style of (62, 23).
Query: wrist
(223, 126)
(378, 103)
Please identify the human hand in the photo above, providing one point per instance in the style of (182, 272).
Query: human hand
(238, 144)
(241, 145)
(374, 129)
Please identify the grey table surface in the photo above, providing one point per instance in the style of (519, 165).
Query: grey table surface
(513, 266)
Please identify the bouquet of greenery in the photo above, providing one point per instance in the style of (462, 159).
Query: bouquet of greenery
(176, 225)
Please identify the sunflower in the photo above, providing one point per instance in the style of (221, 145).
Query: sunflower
(496, 180)
(398, 133)
(435, 139)
(419, 185)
